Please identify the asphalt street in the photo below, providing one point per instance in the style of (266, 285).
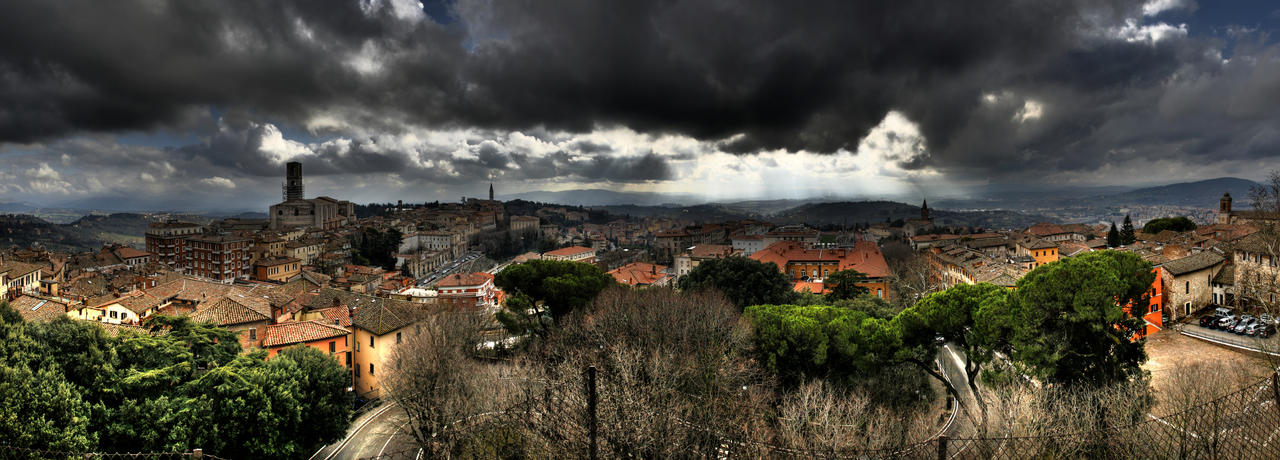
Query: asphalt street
(373, 435)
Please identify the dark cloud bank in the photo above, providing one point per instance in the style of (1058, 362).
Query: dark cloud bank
(997, 87)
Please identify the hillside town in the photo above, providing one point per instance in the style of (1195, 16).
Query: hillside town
(293, 279)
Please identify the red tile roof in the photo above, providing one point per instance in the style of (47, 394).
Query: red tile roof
(284, 334)
(569, 251)
(468, 279)
(865, 257)
(639, 273)
(35, 309)
(130, 253)
(1045, 229)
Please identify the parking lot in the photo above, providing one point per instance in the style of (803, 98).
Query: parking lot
(1170, 352)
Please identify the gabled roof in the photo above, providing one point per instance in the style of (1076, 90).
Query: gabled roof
(639, 273)
(14, 269)
(465, 279)
(227, 312)
(1193, 263)
(277, 335)
(1045, 229)
(569, 251)
(35, 309)
(374, 314)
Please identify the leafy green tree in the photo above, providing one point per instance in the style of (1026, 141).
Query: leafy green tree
(1067, 324)
(1127, 236)
(1113, 237)
(744, 281)
(843, 284)
(1177, 224)
(42, 410)
(322, 389)
(209, 345)
(520, 315)
(562, 286)
(973, 317)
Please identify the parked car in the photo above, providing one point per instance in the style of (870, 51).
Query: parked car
(1253, 328)
(1267, 330)
(1208, 321)
(1243, 324)
(1227, 322)
(1268, 319)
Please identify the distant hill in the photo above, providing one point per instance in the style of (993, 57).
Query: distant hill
(871, 212)
(600, 197)
(1202, 194)
(86, 233)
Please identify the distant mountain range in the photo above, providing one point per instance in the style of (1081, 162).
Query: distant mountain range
(1201, 194)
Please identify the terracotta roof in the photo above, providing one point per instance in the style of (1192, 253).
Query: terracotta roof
(234, 309)
(374, 314)
(711, 250)
(569, 251)
(811, 286)
(300, 332)
(18, 269)
(1193, 263)
(138, 302)
(468, 279)
(35, 309)
(1045, 229)
(639, 274)
(1037, 243)
(865, 257)
(131, 253)
(340, 314)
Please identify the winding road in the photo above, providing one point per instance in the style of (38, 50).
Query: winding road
(374, 434)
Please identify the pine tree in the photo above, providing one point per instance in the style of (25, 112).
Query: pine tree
(1113, 236)
(1127, 235)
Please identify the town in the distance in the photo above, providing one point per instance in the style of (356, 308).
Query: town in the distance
(354, 281)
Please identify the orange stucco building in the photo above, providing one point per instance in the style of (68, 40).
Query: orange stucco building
(808, 265)
(325, 335)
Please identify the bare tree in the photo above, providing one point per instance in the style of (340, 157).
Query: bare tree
(437, 383)
(1257, 257)
(911, 276)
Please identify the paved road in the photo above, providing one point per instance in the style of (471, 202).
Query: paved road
(952, 362)
(373, 434)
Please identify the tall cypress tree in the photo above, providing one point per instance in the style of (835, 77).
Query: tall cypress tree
(1127, 236)
(1113, 236)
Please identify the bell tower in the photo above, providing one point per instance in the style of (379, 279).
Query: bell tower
(293, 181)
(1224, 209)
(924, 210)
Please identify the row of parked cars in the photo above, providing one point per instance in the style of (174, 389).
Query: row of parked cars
(1223, 319)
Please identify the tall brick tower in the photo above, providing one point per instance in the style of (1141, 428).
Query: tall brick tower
(293, 181)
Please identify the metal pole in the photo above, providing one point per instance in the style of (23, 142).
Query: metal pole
(591, 412)
(942, 447)
(1275, 387)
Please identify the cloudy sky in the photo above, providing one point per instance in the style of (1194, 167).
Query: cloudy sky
(172, 104)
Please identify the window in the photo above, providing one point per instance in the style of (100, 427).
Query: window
(357, 346)
(253, 334)
(371, 344)
(880, 293)
(398, 338)
(347, 362)
(113, 314)
(357, 371)
(333, 346)
(1188, 289)
(370, 368)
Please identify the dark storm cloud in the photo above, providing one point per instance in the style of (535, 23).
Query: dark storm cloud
(749, 75)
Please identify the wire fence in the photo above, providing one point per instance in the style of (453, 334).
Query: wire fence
(594, 416)
(13, 452)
